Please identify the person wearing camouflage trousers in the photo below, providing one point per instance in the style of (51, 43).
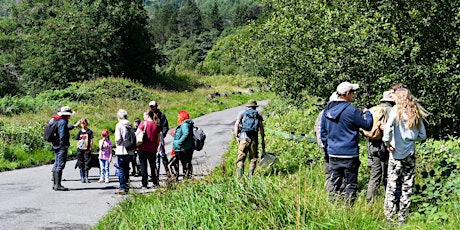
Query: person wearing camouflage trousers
(403, 128)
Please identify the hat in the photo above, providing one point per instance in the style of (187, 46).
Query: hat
(388, 96)
(105, 132)
(153, 103)
(345, 87)
(252, 103)
(65, 110)
(333, 97)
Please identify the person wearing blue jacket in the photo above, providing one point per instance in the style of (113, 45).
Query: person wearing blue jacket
(340, 126)
(61, 145)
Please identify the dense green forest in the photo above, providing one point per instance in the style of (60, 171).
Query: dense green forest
(303, 47)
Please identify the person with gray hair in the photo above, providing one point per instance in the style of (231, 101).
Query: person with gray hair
(123, 155)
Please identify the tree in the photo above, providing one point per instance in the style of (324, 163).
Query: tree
(190, 20)
(215, 19)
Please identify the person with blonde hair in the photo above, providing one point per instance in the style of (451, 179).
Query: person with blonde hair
(403, 128)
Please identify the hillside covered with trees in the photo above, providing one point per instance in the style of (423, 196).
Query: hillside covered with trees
(303, 47)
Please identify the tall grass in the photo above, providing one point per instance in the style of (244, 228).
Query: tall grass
(289, 195)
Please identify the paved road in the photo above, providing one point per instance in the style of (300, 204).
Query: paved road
(28, 202)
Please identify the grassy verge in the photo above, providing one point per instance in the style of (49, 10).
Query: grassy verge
(22, 120)
(289, 195)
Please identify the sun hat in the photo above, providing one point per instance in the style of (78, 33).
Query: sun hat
(65, 110)
(345, 87)
(105, 132)
(388, 96)
(153, 103)
(252, 103)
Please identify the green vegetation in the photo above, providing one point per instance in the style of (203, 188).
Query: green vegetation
(291, 194)
(23, 118)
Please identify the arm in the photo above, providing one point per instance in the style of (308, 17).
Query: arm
(365, 122)
(185, 132)
(422, 132)
(118, 134)
(235, 128)
(165, 126)
(323, 131)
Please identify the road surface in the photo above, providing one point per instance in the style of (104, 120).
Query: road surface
(28, 202)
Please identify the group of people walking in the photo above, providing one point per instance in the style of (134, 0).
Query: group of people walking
(150, 152)
(391, 155)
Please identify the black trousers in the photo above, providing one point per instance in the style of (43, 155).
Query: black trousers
(344, 175)
(144, 158)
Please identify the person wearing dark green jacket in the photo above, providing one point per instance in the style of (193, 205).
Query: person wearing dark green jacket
(183, 145)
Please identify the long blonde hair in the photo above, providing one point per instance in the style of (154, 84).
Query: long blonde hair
(407, 104)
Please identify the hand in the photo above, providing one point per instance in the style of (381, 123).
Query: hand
(390, 148)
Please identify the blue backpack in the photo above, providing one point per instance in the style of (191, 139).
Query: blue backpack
(250, 121)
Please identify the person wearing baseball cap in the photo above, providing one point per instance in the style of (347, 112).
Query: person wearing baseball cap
(339, 129)
(161, 154)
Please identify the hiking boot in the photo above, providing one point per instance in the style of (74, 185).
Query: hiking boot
(57, 183)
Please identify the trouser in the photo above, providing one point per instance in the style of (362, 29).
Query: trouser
(344, 170)
(326, 168)
(123, 171)
(83, 159)
(185, 158)
(144, 159)
(60, 159)
(104, 164)
(134, 162)
(247, 148)
(378, 163)
(161, 158)
(402, 171)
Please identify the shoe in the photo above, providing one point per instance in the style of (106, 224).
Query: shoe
(120, 192)
(100, 180)
(107, 180)
(144, 188)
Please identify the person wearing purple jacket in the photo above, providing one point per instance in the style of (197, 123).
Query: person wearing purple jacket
(340, 126)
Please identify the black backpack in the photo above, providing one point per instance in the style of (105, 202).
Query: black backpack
(51, 132)
(129, 140)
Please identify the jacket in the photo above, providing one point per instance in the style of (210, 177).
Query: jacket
(340, 126)
(120, 132)
(63, 132)
(400, 137)
(183, 136)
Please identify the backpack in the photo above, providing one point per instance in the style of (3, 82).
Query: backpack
(250, 120)
(51, 132)
(380, 116)
(198, 138)
(129, 140)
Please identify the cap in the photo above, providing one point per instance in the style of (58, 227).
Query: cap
(345, 87)
(153, 103)
(105, 132)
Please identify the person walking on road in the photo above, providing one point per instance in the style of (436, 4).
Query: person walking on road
(61, 145)
(340, 126)
(404, 127)
(123, 155)
(248, 125)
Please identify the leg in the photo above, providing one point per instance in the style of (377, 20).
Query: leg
(390, 207)
(61, 158)
(351, 180)
(376, 171)
(103, 172)
(80, 164)
(143, 165)
(153, 169)
(188, 164)
(87, 158)
(336, 170)
(174, 167)
(253, 156)
(242, 150)
(407, 186)
(123, 163)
